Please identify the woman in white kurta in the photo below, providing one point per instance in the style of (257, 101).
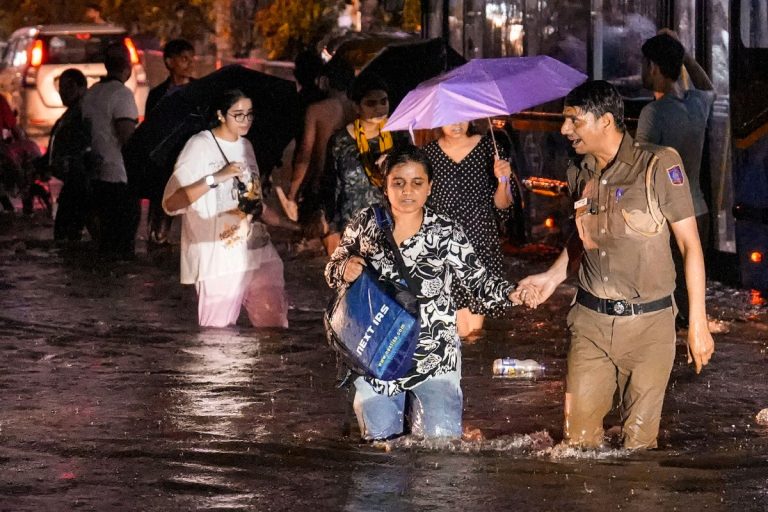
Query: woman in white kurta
(218, 253)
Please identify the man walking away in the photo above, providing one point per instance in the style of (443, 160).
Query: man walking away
(179, 59)
(110, 109)
(68, 150)
(678, 119)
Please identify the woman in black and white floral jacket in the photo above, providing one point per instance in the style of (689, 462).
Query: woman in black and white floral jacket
(437, 253)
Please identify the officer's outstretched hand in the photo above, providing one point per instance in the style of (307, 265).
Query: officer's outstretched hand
(701, 346)
(542, 285)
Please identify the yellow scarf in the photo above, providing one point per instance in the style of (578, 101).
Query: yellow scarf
(367, 158)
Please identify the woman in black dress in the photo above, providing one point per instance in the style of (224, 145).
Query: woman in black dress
(472, 186)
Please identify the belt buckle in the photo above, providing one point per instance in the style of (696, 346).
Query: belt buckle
(619, 307)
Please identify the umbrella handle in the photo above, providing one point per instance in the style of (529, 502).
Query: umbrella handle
(496, 150)
(493, 138)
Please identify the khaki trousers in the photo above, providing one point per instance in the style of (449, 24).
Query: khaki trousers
(633, 354)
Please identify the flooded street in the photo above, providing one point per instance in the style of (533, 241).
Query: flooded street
(114, 400)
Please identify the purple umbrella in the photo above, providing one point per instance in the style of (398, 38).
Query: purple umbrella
(484, 88)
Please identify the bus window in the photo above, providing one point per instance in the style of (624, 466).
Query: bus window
(559, 29)
(474, 14)
(754, 23)
(619, 30)
(718, 32)
(455, 23)
(685, 25)
(503, 28)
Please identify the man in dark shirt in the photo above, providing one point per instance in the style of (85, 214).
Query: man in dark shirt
(179, 58)
(67, 157)
(678, 119)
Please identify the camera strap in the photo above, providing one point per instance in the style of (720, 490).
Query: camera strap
(219, 146)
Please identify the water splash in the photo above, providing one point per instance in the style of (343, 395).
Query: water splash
(523, 444)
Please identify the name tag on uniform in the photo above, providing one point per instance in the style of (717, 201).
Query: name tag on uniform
(584, 201)
(676, 175)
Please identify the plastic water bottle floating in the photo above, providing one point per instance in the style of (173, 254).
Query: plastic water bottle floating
(509, 367)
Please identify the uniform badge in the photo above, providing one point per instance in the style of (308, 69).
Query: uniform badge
(676, 175)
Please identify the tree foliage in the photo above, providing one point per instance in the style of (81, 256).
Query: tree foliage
(163, 19)
(287, 26)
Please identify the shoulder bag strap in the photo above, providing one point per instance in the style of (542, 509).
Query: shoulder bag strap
(240, 185)
(219, 146)
(385, 224)
(653, 202)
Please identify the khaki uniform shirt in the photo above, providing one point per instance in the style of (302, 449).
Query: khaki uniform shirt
(626, 252)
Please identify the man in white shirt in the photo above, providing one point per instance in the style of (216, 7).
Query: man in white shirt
(111, 110)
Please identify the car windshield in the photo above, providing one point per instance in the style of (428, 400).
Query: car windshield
(78, 48)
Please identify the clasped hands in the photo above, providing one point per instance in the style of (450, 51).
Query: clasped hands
(533, 290)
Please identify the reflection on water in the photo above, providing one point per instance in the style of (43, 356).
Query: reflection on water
(215, 384)
(113, 399)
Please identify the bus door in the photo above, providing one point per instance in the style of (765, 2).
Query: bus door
(749, 124)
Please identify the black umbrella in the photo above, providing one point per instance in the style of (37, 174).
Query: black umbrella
(152, 150)
(358, 48)
(403, 66)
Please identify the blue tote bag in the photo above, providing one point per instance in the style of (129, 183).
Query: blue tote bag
(373, 325)
(376, 335)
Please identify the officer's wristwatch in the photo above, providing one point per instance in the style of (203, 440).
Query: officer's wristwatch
(211, 181)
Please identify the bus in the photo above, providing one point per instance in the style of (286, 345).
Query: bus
(602, 38)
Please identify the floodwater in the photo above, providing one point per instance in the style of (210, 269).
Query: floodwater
(113, 400)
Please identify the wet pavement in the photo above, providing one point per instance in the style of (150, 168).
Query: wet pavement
(114, 400)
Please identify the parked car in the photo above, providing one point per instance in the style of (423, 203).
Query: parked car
(35, 57)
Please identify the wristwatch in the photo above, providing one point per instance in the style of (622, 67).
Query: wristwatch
(211, 181)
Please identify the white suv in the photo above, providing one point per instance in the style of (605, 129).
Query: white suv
(35, 57)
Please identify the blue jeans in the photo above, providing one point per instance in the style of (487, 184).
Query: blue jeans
(435, 408)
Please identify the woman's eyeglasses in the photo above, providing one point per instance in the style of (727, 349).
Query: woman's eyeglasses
(240, 117)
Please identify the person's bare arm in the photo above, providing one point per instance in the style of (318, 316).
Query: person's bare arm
(535, 289)
(698, 76)
(305, 151)
(124, 128)
(185, 196)
(701, 346)
(502, 198)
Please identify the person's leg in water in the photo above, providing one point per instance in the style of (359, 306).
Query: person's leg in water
(645, 351)
(5, 200)
(74, 210)
(159, 223)
(264, 298)
(591, 379)
(436, 406)
(378, 416)
(435, 409)
(220, 299)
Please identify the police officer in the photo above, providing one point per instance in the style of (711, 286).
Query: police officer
(627, 197)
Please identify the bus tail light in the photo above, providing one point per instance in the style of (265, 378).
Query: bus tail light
(756, 257)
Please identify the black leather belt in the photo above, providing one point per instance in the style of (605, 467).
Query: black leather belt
(620, 307)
